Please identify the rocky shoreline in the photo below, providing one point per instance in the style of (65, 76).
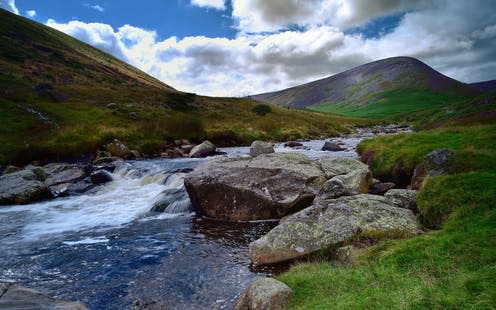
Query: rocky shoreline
(324, 205)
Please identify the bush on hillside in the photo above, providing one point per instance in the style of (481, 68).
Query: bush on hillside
(261, 109)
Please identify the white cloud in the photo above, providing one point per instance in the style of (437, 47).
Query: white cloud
(441, 35)
(99, 35)
(269, 16)
(31, 13)
(215, 4)
(9, 5)
(97, 8)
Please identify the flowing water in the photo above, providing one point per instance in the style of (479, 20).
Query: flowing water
(108, 250)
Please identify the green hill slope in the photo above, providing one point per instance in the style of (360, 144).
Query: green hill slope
(386, 88)
(62, 98)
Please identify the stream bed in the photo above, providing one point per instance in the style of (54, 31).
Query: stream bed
(108, 250)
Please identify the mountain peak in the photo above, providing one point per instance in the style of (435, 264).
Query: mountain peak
(358, 85)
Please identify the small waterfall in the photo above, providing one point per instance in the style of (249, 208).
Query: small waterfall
(173, 199)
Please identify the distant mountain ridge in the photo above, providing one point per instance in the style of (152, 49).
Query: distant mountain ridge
(359, 86)
(485, 85)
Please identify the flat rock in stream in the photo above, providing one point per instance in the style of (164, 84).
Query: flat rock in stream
(329, 223)
(268, 186)
(22, 187)
(15, 297)
(63, 173)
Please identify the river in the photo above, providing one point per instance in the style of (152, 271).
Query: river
(109, 251)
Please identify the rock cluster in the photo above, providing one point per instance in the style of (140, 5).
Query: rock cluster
(323, 203)
(34, 183)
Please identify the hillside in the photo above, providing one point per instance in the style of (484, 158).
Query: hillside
(61, 98)
(485, 86)
(378, 89)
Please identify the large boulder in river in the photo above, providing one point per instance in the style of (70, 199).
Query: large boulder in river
(268, 186)
(437, 162)
(264, 294)
(15, 297)
(329, 223)
(260, 147)
(100, 177)
(22, 187)
(203, 149)
(332, 147)
(353, 183)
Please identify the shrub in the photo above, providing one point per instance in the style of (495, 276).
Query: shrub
(261, 109)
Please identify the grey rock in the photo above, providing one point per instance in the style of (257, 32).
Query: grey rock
(119, 149)
(353, 183)
(58, 189)
(332, 147)
(11, 169)
(329, 223)
(379, 188)
(293, 144)
(203, 149)
(345, 255)
(265, 187)
(437, 162)
(402, 198)
(334, 166)
(100, 177)
(15, 297)
(63, 173)
(22, 187)
(186, 148)
(82, 187)
(40, 173)
(260, 147)
(264, 294)
(105, 160)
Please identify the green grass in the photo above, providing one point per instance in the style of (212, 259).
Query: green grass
(451, 267)
(474, 146)
(404, 104)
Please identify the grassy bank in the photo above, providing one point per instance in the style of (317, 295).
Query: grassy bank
(451, 267)
(474, 146)
(35, 129)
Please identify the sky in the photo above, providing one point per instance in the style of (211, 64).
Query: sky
(244, 47)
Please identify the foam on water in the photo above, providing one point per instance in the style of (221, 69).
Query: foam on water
(89, 240)
(129, 197)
